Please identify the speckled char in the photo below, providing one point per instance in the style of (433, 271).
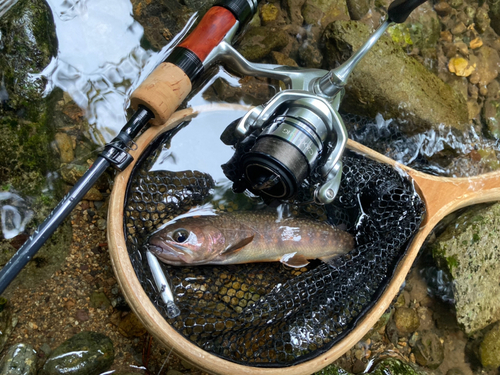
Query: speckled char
(244, 237)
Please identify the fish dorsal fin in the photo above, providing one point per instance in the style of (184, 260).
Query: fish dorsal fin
(294, 260)
(234, 248)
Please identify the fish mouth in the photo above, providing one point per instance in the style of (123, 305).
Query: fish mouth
(165, 252)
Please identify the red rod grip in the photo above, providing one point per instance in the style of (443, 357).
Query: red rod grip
(212, 28)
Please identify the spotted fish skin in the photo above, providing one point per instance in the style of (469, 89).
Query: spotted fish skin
(247, 237)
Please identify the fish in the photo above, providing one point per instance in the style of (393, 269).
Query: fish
(247, 237)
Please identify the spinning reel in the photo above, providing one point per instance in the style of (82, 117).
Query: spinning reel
(298, 135)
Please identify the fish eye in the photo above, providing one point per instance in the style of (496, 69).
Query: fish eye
(180, 235)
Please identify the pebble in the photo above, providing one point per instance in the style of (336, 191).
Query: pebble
(268, 13)
(460, 67)
(406, 320)
(443, 9)
(101, 224)
(65, 147)
(489, 349)
(476, 43)
(20, 359)
(99, 300)
(458, 29)
(86, 353)
(429, 350)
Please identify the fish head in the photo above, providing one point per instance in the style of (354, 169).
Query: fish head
(188, 241)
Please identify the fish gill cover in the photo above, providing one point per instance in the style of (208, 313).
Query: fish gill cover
(265, 314)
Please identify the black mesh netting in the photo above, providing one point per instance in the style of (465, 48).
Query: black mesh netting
(266, 314)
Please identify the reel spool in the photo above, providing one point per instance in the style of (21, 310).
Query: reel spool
(145, 306)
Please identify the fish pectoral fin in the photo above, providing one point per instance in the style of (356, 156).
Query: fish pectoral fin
(294, 260)
(329, 258)
(234, 248)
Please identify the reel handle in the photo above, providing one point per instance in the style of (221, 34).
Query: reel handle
(169, 84)
(399, 10)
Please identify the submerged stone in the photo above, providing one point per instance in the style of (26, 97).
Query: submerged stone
(468, 251)
(491, 117)
(86, 353)
(429, 350)
(494, 14)
(20, 359)
(389, 82)
(489, 349)
(406, 320)
(258, 42)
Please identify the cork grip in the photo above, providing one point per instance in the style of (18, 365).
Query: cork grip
(162, 92)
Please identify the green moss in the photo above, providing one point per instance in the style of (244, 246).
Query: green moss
(452, 262)
(400, 34)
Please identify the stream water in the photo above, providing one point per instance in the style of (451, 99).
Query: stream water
(102, 57)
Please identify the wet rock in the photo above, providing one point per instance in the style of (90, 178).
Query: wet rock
(443, 8)
(489, 349)
(467, 251)
(98, 300)
(461, 67)
(394, 367)
(389, 82)
(6, 322)
(358, 8)
(310, 56)
(86, 353)
(163, 19)
(258, 42)
(82, 315)
(282, 59)
(494, 90)
(27, 45)
(20, 359)
(424, 26)
(458, 29)
(488, 65)
(482, 20)
(494, 14)
(294, 11)
(406, 320)
(491, 117)
(429, 350)
(64, 145)
(93, 195)
(128, 324)
(322, 12)
(268, 13)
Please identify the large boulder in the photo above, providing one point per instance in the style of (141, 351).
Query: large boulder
(389, 82)
(468, 251)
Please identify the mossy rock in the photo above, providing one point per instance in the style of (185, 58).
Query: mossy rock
(389, 82)
(468, 251)
(28, 44)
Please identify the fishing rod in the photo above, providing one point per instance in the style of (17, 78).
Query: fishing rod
(154, 102)
(303, 121)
